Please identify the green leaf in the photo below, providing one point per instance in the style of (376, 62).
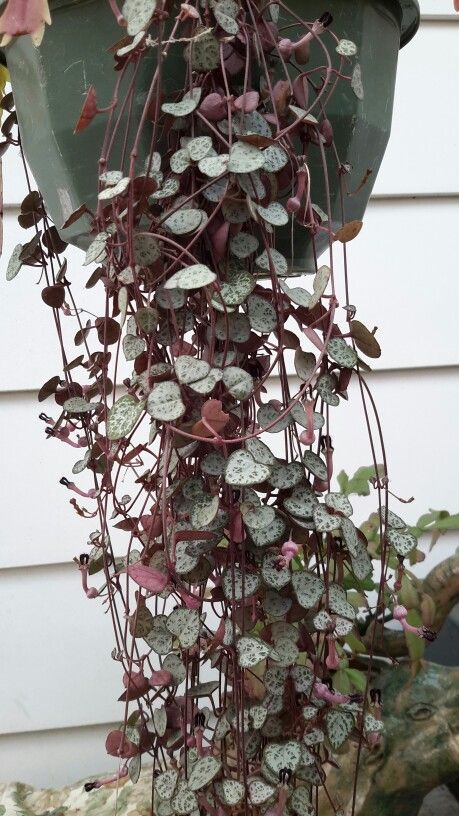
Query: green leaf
(358, 484)
(123, 416)
(165, 402)
(339, 725)
(191, 277)
(188, 104)
(238, 382)
(416, 645)
(242, 471)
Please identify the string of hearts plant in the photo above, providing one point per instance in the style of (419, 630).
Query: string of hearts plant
(221, 552)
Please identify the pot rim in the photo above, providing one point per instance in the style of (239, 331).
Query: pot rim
(409, 24)
(411, 17)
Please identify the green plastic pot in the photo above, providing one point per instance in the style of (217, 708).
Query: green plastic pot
(49, 84)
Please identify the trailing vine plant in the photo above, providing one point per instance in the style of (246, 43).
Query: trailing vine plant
(220, 551)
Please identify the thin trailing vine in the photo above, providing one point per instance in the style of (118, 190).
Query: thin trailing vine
(232, 571)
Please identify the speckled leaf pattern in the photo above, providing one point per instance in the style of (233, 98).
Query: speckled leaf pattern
(282, 755)
(123, 417)
(165, 402)
(339, 725)
(308, 587)
(241, 470)
(184, 624)
(315, 464)
(251, 651)
(191, 277)
(403, 543)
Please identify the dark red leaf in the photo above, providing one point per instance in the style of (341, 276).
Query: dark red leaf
(147, 577)
(48, 388)
(53, 296)
(88, 111)
(108, 330)
(118, 745)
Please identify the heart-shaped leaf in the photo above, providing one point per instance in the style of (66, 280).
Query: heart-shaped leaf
(274, 158)
(346, 48)
(230, 791)
(282, 755)
(297, 295)
(326, 385)
(185, 221)
(272, 260)
(184, 624)
(270, 534)
(175, 667)
(236, 587)
(133, 346)
(184, 801)
(308, 587)
(189, 369)
(245, 158)
(274, 574)
(274, 214)
(147, 578)
(343, 354)
(242, 471)
(267, 415)
(285, 475)
(315, 464)
(365, 340)
(262, 314)
(251, 650)
(191, 277)
(165, 402)
(138, 14)
(204, 511)
(403, 543)
(260, 451)
(338, 602)
(188, 104)
(238, 382)
(301, 502)
(159, 638)
(339, 502)
(320, 284)
(257, 518)
(259, 790)
(146, 248)
(339, 725)
(300, 802)
(243, 245)
(204, 770)
(165, 784)
(123, 416)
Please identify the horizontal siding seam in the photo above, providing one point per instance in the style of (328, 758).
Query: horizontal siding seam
(57, 729)
(413, 369)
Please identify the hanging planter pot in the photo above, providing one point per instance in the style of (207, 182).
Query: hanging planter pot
(49, 84)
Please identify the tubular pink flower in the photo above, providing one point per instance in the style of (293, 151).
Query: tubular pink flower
(90, 592)
(332, 659)
(333, 697)
(400, 613)
(289, 551)
(294, 203)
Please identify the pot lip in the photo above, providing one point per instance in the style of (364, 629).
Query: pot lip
(411, 15)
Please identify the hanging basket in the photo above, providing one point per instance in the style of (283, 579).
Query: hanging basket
(49, 84)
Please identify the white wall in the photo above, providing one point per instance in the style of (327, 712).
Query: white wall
(57, 682)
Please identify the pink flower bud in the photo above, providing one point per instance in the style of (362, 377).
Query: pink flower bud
(285, 47)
